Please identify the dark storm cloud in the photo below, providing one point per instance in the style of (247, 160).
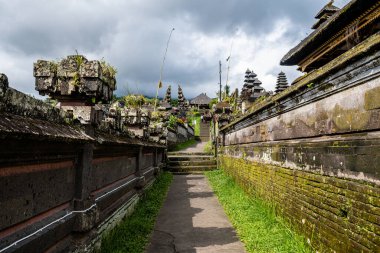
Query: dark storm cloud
(132, 36)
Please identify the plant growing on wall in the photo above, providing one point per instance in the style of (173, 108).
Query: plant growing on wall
(79, 61)
(180, 121)
(172, 121)
(134, 101)
(108, 70)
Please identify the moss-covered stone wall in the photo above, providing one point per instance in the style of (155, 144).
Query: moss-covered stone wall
(313, 152)
(335, 214)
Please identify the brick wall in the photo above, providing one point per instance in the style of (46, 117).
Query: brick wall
(335, 214)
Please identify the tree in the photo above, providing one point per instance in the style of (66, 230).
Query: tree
(174, 102)
(227, 90)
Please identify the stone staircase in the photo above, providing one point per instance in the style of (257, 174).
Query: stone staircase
(190, 163)
(204, 131)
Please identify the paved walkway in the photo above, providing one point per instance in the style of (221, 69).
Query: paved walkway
(192, 220)
(198, 147)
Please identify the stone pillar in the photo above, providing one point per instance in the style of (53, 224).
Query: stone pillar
(82, 200)
(139, 167)
(83, 176)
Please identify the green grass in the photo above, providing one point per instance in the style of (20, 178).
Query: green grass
(255, 221)
(133, 233)
(197, 126)
(183, 145)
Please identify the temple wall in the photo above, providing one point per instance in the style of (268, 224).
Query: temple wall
(314, 154)
(62, 186)
(182, 134)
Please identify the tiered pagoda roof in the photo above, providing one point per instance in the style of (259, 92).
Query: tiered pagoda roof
(282, 82)
(252, 87)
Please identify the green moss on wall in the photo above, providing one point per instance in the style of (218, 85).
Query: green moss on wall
(334, 214)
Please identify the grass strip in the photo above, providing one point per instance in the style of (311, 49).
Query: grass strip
(254, 220)
(132, 235)
(197, 126)
(183, 145)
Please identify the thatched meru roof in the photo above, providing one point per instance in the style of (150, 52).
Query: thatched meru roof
(336, 23)
(201, 99)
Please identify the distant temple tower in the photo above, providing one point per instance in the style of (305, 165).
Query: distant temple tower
(168, 95)
(282, 82)
(327, 11)
(181, 98)
(251, 90)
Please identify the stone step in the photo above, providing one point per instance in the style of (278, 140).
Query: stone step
(191, 158)
(187, 172)
(192, 163)
(173, 153)
(191, 169)
(204, 138)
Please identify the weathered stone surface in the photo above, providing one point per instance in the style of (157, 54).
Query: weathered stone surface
(3, 84)
(356, 157)
(75, 78)
(91, 69)
(372, 99)
(341, 213)
(44, 69)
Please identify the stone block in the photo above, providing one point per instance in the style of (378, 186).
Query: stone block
(91, 85)
(44, 69)
(83, 114)
(91, 69)
(75, 77)
(70, 66)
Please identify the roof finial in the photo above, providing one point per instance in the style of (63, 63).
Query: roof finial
(331, 3)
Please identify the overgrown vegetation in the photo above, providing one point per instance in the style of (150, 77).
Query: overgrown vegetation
(172, 121)
(108, 70)
(134, 101)
(213, 102)
(133, 233)
(256, 223)
(183, 145)
(208, 148)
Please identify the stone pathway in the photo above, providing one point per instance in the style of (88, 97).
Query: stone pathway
(198, 147)
(192, 220)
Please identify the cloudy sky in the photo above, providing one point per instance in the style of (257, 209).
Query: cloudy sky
(132, 36)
